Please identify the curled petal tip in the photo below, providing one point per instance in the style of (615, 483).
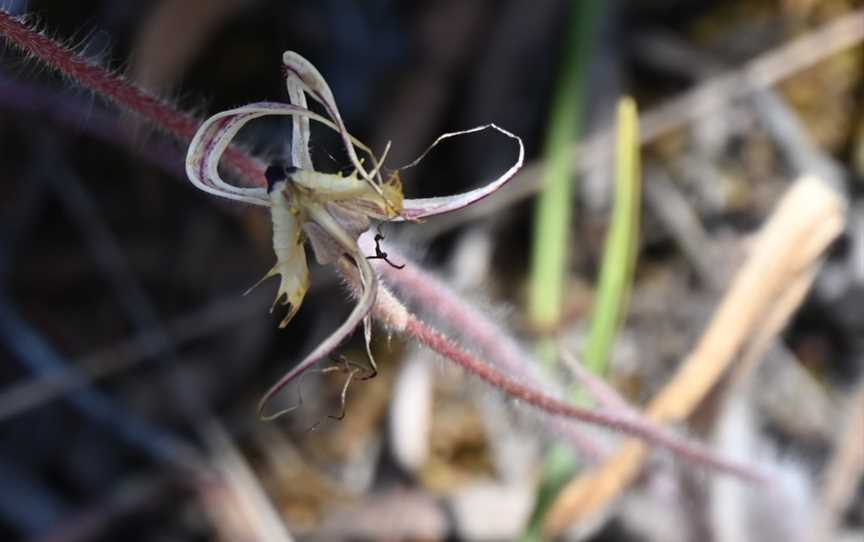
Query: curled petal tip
(308, 76)
(415, 209)
(215, 135)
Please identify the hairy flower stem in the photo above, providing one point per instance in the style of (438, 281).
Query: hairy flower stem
(183, 126)
(116, 88)
(512, 367)
(419, 330)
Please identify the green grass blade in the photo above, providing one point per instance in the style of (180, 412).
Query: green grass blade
(552, 223)
(619, 255)
(552, 219)
(613, 291)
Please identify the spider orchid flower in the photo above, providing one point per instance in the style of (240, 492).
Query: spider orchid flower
(329, 210)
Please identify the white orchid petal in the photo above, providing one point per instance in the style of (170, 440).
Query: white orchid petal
(225, 129)
(301, 133)
(413, 209)
(200, 152)
(314, 83)
(214, 136)
(309, 76)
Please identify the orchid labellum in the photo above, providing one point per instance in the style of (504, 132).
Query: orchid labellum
(330, 210)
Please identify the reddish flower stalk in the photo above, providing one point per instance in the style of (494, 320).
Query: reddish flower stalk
(428, 291)
(116, 88)
(517, 382)
(183, 126)
(441, 344)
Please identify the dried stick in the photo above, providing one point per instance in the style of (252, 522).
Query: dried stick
(783, 259)
(239, 506)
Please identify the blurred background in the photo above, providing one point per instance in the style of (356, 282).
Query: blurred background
(132, 364)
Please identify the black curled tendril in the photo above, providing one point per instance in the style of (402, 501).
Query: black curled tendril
(380, 254)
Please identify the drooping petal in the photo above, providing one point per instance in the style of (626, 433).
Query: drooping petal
(369, 288)
(214, 136)
(415, 209)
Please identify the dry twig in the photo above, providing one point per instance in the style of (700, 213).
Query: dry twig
(765, 291)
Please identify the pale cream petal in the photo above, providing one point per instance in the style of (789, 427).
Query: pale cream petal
(415, 209)
(300, 133)
(308, 75)
(214, 136)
